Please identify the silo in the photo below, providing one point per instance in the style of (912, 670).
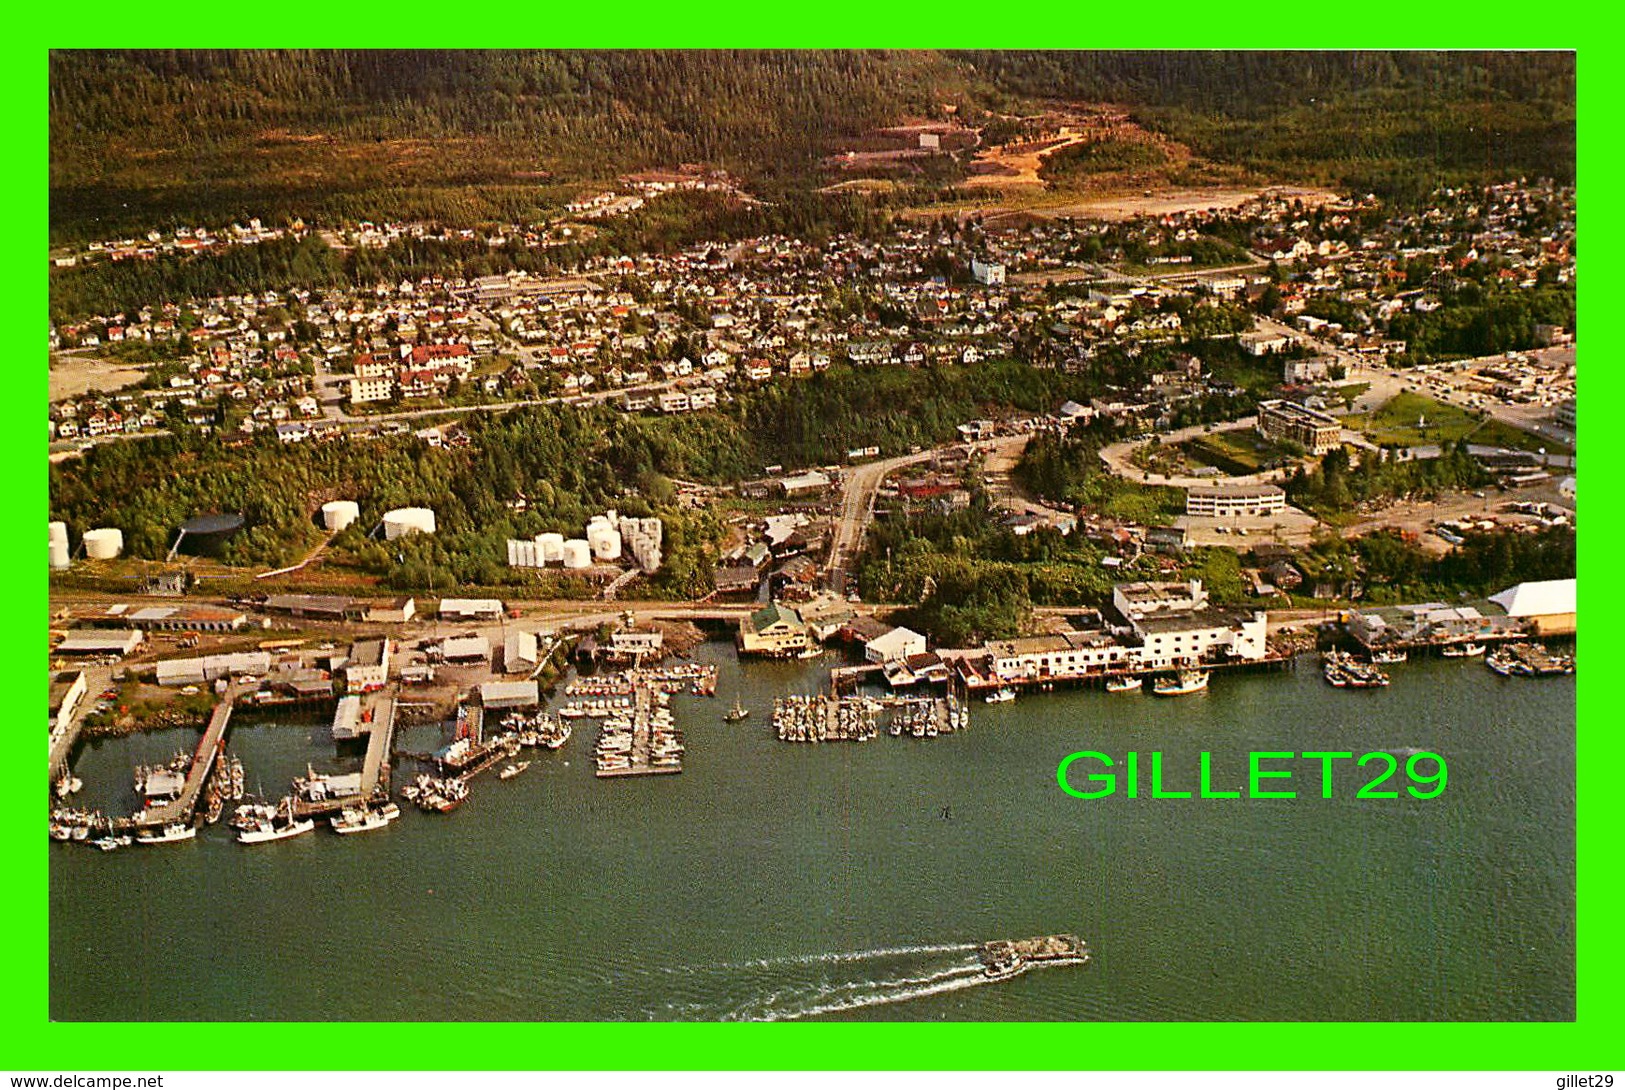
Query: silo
(338, 514)
(577, 554)
(605, 541)
(549, 548)
(408, 520)
(105, 543)
(59, 555)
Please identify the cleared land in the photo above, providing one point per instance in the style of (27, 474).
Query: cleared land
(73, 375)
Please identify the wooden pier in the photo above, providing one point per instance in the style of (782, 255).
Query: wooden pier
(183, 807)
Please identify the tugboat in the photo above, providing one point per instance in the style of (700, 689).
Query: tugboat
(1186, 681)
(739, 712)
(1006, 958)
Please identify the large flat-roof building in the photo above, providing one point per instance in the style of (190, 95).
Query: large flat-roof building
(1315, 431)
(89, 641)
(470, 609)
(1232, 501)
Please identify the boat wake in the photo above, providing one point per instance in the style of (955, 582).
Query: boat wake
(809, 985)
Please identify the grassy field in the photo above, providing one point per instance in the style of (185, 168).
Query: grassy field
(1235, 452)
(1413, 420)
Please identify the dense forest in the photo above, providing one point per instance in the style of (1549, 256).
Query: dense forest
(143, 138)
(150, 138)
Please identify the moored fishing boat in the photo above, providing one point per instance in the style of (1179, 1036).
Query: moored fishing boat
(1124, 684)
(1185, 681)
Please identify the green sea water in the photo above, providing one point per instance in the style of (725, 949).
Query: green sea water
(851, 881)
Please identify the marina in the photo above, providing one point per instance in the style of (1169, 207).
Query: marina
(632, 889)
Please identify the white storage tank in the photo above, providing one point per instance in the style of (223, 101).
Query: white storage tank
(549, 548)
(59, 534)
(59, 555)
(577, 554)
(408, 520)
(104, 543)
(605, 542)
(338, 514)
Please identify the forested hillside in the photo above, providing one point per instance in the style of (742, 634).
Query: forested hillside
(150, 138)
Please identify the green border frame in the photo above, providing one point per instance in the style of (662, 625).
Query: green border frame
(1589, 1043)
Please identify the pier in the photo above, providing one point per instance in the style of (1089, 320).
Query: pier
(652, 750)
(375, 766)
(184, 806)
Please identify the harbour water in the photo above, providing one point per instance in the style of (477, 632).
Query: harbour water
(851, 881)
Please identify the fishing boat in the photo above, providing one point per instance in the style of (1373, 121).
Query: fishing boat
(1186, 681)
(166, 834)
(1387, 658)
(68, 784)
(364, 819)
(1003, 696)
(509, 771)
(739, 712)
(273, 828)
(1464, 651)
(1124, 684)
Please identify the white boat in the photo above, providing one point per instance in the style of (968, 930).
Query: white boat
(1186, 681)
(68, 784)
(1464, 651)
(1387, 658)
(268, 829)
(510, 771)
(166, 834)
(1124, 684)
(364, 819)
(1003, 696)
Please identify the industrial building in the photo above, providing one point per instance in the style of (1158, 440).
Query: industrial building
(470, 609)
(347, 719)
(1232, 501)
(316, 606)
(196, 671)
(182, 618)
(895, 645)
(399, 611)
(1315, 431)
(510, 694)
(1136, 601)
(68, 690)
(87, 641)
(1548, 608)
(466, 650)
(368, 668)
(520, 653)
